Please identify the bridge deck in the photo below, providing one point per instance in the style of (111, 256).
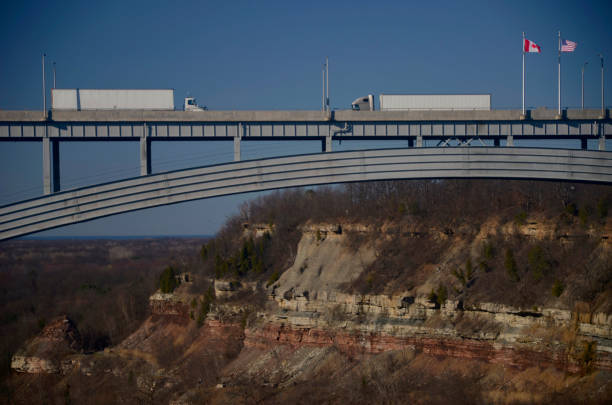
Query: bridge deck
(295, 116)
(172, 125)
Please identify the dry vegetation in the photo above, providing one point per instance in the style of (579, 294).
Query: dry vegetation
(403, 377)
(103, 286)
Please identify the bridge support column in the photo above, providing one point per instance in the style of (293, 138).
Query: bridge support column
(326, 144)
(419, 141)
(496, 142)
(410, 143)
(583, 144)
(510, 140)
(601, 131)
(145, 154)
(236, 149)
(51, 168)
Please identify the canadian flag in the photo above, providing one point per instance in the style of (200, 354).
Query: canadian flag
(530, 46)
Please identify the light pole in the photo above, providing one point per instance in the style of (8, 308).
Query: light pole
(603, 107)
(43, 85)
(327, 82)
(323, 88)
(583, 66)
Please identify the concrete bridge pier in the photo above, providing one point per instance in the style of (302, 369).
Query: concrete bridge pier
(237, 139)
(510, 140)
(326, 144)
(145, 154)
(419, 141)
(496, 142)
(51, 166)
(236, 149)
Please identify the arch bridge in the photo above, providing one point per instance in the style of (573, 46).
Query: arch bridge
(491, 129)
(88, 203)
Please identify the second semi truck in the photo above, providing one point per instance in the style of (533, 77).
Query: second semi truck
(424, 102)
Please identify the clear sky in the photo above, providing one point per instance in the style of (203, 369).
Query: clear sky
(250, 55)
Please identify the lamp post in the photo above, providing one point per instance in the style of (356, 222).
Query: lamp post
(44, 91)
(603, 106)
(327, 82)
(583, 66)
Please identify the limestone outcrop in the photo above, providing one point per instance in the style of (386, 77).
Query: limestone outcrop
(49, 352)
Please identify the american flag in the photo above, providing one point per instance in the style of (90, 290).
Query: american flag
(567, 46)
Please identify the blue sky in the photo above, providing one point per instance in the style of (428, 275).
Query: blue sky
(263, 55)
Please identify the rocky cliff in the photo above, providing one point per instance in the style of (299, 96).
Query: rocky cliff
(314, 327)
(50, 351)
(313, 310)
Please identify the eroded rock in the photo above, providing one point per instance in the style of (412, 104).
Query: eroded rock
(46, 353)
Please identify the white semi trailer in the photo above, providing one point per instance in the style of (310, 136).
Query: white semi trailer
(118, 99)
(425, 102)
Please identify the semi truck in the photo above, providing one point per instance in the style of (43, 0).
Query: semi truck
(118, 99)
(424, 102)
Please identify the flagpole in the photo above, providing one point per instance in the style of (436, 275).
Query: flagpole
(523, 47)
(559, 74)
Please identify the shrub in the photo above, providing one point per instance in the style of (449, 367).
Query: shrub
(510, 265)
(484, 266)
(460, 275)
(439, 296)
(557, 288)
(583, 214)
(221, 266)
(602, 208)
(588, 355)
(273, 278)
(487, 251)
(401, 209)
(538, 263)
(469, 270)
(442, 294)
(414, 209)
(570, 209)
(370, 280)
(167, 280)
(520, 218)
(204, 252)
(205, 305)
(466, 276)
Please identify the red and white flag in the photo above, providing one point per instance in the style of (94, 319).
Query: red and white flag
(530, 46)
(567, 45)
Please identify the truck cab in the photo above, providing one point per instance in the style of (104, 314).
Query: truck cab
(363, 103)
(191, 104)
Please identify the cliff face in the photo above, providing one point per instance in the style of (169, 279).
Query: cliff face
(316, 333)
(49, 352)
(312, 310)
